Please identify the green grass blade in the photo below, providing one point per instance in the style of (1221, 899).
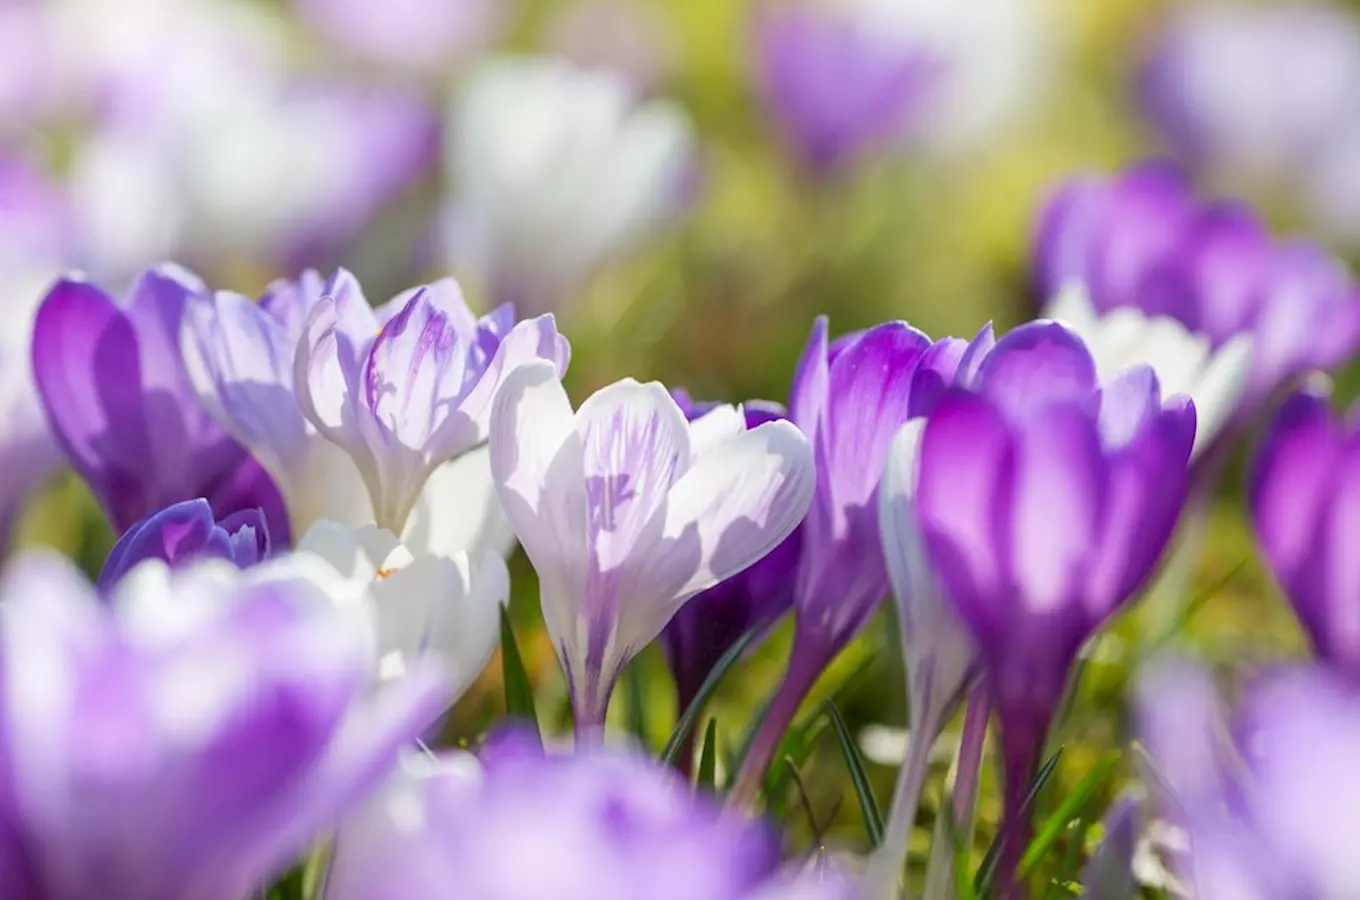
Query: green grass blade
(708, 758)
(1073, 804)
(864, 791)
(690, 717)
(519, 693)
(635, 680)
(987, 871)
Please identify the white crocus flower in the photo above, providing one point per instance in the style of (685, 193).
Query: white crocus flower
(556, 170)
(441, 605)
(1184, 361)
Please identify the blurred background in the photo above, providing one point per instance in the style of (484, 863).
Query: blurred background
(686, 184)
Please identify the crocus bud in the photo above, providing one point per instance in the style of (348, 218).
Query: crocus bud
(1046, 501)
(1304, 490)
(185, 532)
(626, 511)
(115, 390)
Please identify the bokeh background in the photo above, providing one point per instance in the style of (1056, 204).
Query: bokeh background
(249, 139)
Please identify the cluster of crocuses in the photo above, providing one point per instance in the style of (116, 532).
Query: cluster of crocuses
(315, 497)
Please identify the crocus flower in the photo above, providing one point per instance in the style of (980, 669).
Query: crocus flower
(849, 399)
(408, 387)
(1143, 240)
(1304, 489)
(602, 826)
(1267, 792)
(1045, 500)
(185, 532)
(556, 171)
(441, 606)
(837, 84)
(191, 735)
(626, 511)
(1261, 96)
(118, 399)
(1185, 362)
(708, 625)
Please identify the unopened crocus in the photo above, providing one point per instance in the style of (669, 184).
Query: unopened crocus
(1046, 499)
(192, 735)
(837, 84)
(708, 625)
(1267, 792)
(556, 171)
(597, 826)
(1304, 498)
(408, 387)
(850, 398)
(185, 532)
(1142, 239)
(122, 407)
(627, 511)
(1185, 362)
(441, 606)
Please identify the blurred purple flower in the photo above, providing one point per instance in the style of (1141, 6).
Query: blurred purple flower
(712, 621)
(28, 76)
(409, 34)
(627, 511)
(184, 532)
(837, 85)
(408, 387)
(192, 735)
(35, 245)
(121, 405)
(1267, 794)
(1144, 240)
(1046, 500)
(1305, 503)
(597, 826)
(1262, 94)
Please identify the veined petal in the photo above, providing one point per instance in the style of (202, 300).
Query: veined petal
(736, 504)
(327, 371)
(538, 467)
(240, 361)
(529, 340)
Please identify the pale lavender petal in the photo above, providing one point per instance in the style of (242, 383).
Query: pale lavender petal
(1035, 365)
(1127, 402)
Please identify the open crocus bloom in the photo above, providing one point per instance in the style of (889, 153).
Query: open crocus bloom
(597, 826)
(1185, 362)
(192, 734)
(626, 510)
(441, 605)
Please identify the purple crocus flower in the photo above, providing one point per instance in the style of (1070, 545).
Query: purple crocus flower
(187, 531)
(709, 624)
(191, 735)
(1144, 240)
(409, 386)
(1268, 792)
(838, 86)
(1045, 500)
(850, 399)
(627, 511)
(1304, 496)
(597, 826)
(121, 405)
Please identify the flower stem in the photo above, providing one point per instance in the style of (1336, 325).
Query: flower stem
(885, 868)
(804, 668)
(967, 772)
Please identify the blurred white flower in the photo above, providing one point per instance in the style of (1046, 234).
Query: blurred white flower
(555, 170)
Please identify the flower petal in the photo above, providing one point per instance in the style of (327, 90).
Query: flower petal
(1034, 365)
